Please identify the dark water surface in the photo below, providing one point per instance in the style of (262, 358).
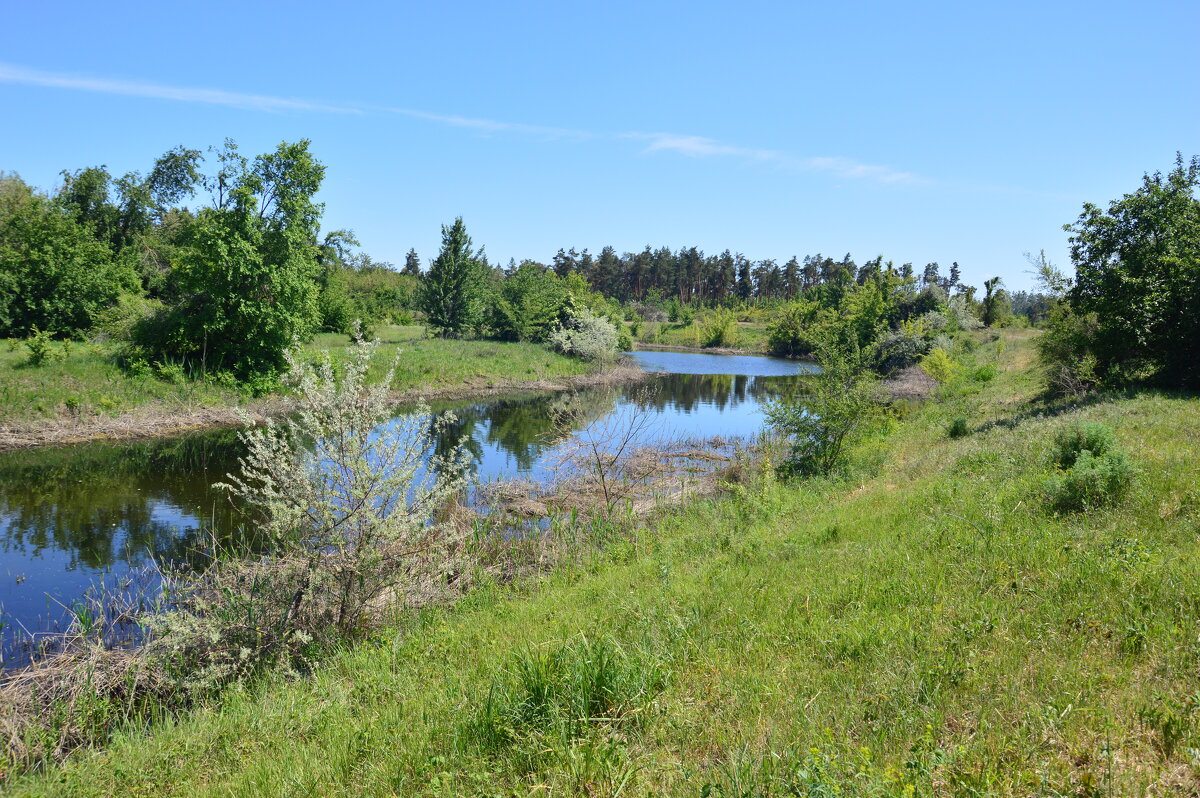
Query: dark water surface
(99, 516)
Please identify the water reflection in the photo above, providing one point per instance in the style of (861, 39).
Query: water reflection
(74, 517)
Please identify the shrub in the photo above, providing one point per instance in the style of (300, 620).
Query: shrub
(718, 328)
(347, 498)
(40, 347)
(984, 373)
(1071, 442)
(790, 331)
(119, 322)
(958, 428)
(587, 336)
(169, 372)
(820, 424)
(1092, 481)
(1091, 470)
(900, 349)
(939, 365)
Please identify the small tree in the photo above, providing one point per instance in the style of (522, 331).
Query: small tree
(841, 403)
(995, 302)
(452, 291)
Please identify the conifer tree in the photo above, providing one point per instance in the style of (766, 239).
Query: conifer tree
(452, 291)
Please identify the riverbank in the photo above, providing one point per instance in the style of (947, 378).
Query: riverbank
(85, 397)
(924, 623)
(746, 338)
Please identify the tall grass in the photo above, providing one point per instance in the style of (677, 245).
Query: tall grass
(923, 625)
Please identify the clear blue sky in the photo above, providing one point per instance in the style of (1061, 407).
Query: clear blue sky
(949, 131)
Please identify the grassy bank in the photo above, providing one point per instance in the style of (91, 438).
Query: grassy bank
(83, 384)
(746, 336)
(926, 625)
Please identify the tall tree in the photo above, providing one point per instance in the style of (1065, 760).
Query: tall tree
(451, 292)
(248, 288)
(1137, 267)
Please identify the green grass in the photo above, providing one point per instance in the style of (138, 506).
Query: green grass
(87, 383)
(749, 336)
(924, 623)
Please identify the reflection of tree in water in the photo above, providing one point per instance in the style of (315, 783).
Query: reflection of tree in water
(686, 392)
(103, 504)
(524, 427)
(97, 502)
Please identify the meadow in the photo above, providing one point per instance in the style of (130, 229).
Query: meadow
(79, 382)
(925, 624)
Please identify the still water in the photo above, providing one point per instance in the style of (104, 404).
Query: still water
(96, 516)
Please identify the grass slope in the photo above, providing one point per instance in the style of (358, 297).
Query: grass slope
(747, 336)
(87, 384)
(926, 627)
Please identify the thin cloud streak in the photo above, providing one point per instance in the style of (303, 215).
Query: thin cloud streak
(10, 73)
(686, 145)
(701, 147)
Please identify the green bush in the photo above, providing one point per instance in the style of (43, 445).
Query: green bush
(1093, 481)
(959, 428)
(939, 365)
(718, 328)
(39, 346)
(983, 373)
(1073, 441)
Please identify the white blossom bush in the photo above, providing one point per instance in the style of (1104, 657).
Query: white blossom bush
(586, 335)
(347, 499)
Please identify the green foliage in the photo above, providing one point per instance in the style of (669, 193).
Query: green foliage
(994, 309)
(40, 347)
(529, 304)
(551, 696)
(790, 332)
(1082, 437)
(841, 403)
(1065, 351)
(1091, 482)
(588, 336)
(939, 365)
(452, 291)
(718, 328)
(959, 428)
(247, 291)
(1137, 287)
(54, 275)
(1092, 471)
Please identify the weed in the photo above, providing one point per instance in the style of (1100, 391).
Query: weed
(1091, 482)
(958, 427)
(559, 694)
(1082, 437)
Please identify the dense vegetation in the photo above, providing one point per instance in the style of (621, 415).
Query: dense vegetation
(1132, 312)
(989, 594)
(211, 265)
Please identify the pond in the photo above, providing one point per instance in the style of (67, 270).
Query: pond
(100, 516)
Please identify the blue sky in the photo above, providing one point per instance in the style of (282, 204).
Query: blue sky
(920, 131)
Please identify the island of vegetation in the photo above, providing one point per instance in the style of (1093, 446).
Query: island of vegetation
(990, 591)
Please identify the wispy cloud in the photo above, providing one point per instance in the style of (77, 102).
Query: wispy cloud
(491, 125)
(10, 73)
(701, 147)
(682, 144)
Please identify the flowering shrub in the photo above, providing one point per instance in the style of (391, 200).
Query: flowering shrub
(587, 336)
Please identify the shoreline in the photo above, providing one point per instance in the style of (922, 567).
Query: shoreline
(158, 421)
